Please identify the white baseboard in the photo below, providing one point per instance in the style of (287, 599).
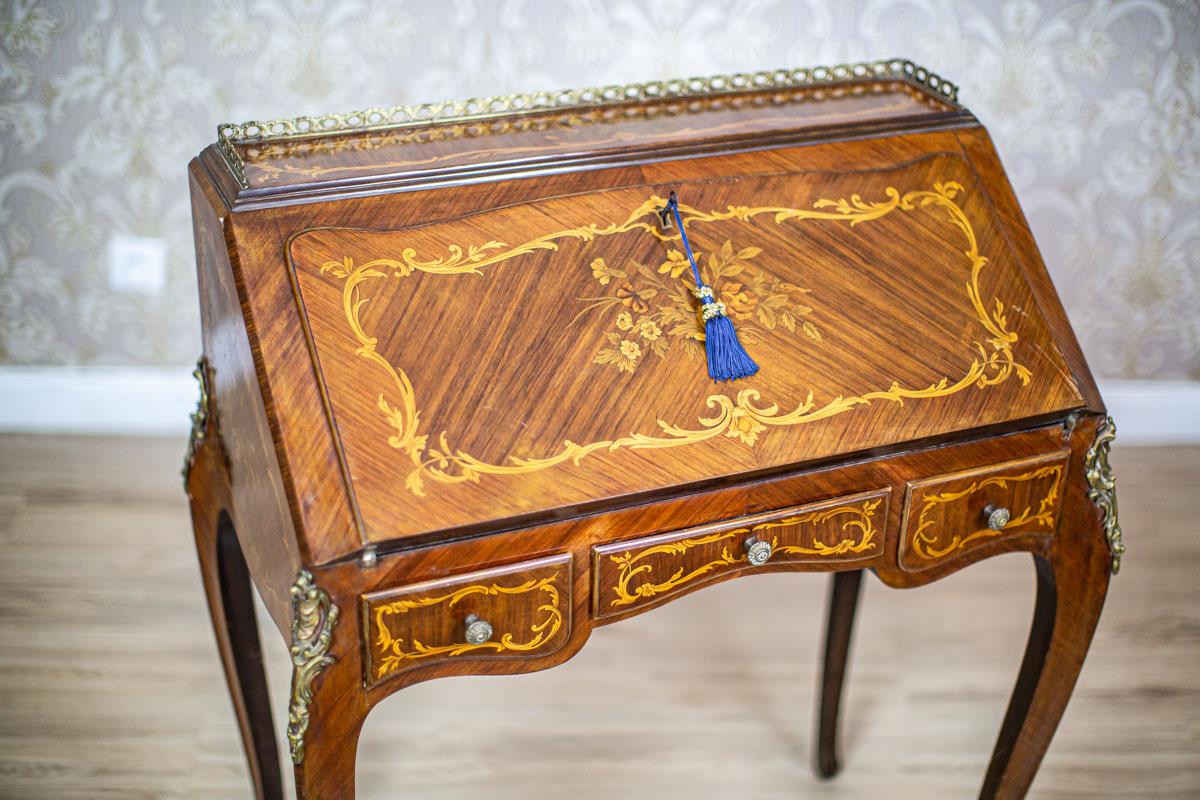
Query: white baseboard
(157, 401)
(1154, 412)
(137, 401)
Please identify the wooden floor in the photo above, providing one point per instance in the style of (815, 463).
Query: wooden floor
(110, 685)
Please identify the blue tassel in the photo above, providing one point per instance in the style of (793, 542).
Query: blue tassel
(727, 359)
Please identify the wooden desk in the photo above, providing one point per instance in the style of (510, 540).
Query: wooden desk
(455, 410)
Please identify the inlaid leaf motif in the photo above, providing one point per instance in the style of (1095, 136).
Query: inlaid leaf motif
(676, 263)
(604, 273)
(654, 307)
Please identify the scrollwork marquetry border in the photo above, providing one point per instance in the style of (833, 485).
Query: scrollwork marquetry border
(313, 618)
(859, 538)
(514, 105)
(539, 632)
(1102, 488)
(388, 653)
(992, 363)
(924, 545)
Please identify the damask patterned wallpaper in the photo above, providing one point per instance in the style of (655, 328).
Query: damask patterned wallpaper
(1093, 104)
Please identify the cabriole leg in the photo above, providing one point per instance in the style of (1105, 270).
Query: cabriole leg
(1071, 586)
(327, 771)
(231, 606)
(329, 725)
(843, 603)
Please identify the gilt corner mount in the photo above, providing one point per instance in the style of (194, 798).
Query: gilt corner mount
(313, 618)
(199, 419)
(1102, 489)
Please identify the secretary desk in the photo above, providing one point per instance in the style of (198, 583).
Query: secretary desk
(455, 412)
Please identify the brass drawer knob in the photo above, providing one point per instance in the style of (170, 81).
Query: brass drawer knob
(997, 517)
(757, 551)
(478, 630)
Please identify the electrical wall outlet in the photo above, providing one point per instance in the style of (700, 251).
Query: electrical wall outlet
(137, 264)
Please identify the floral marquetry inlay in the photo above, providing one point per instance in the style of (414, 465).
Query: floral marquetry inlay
(528, 607)
(393, 651)
(650, 309)
(652, 313)
(632, 573)
(947, 515)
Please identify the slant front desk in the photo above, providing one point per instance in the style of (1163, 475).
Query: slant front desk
(456, 412)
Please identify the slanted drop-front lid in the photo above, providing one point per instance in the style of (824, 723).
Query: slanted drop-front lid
(545, 356)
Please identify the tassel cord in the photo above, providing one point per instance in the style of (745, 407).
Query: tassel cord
(727, 359)
(673, 204)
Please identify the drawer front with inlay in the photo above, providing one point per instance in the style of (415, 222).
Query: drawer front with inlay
(641, 572)
(515, 611)
(947, 516)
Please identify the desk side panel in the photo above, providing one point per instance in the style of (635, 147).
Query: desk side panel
(980, 151)
(260, 510)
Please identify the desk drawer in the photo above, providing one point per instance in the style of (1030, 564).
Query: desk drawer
(947, 516)
(517, 611)
(641, 572)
